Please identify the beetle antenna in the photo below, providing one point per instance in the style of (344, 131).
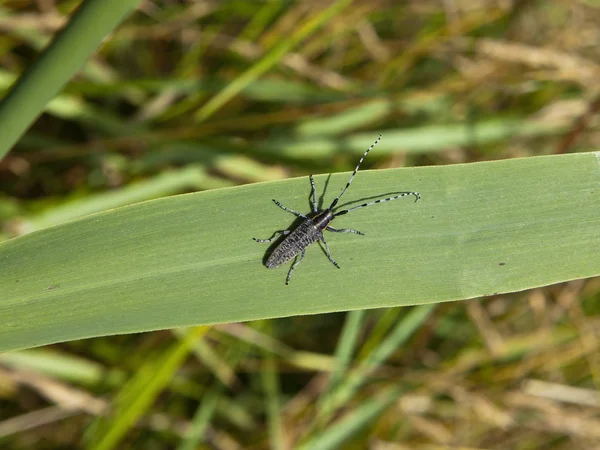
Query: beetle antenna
(337, 199)
(381, 200)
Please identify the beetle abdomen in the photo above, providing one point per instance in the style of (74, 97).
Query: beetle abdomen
(304, 235)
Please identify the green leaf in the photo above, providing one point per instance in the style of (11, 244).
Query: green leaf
(270, 59)
(429, 138)
(352, 381)
(71, 48)
(140, 392)
(354, 422)
(479, 229)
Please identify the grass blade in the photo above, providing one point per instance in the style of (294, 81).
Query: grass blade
(92, 21)
(353, 422)
(269, 60)
(138, 394)
(479, 229)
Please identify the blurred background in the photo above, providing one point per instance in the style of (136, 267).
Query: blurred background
(445, 82)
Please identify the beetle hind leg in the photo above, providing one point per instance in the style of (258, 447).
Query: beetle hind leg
(328, 252)
(289, 275)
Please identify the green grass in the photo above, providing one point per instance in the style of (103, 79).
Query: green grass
(480, 229)
(57, 64)
(489, 108)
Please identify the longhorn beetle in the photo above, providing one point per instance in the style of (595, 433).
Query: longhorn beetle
(311, 228)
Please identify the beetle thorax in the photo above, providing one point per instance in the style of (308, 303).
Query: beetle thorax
(323, 219)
